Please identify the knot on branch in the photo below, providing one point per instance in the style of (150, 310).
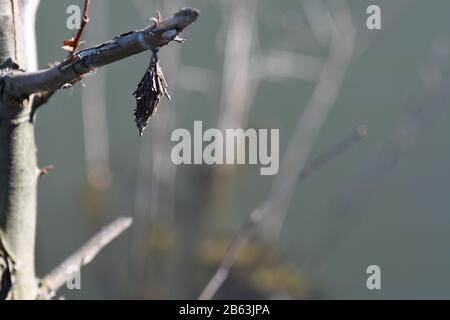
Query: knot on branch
(163, 31)
(7, 95)
(8, 66)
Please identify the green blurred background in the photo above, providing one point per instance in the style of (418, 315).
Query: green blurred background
(171, 252)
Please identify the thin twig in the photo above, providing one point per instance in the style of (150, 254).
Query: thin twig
(257, 215)
(56, 278)
(76, 42)
(71, 46)
(359, 133)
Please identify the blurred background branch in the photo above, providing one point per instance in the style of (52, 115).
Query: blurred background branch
(65, 271)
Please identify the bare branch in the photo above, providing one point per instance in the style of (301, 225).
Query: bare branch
(85, 61)
(71, 45)
(55, 279)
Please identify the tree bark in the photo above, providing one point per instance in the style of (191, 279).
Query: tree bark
(18, 171)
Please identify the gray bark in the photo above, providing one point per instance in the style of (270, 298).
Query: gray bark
(18, 172)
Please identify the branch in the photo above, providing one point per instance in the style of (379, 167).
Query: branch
(60, 275)
(71, 45)
(359, 133)
(158, 34)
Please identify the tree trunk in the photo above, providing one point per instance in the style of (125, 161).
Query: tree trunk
(18, 171)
